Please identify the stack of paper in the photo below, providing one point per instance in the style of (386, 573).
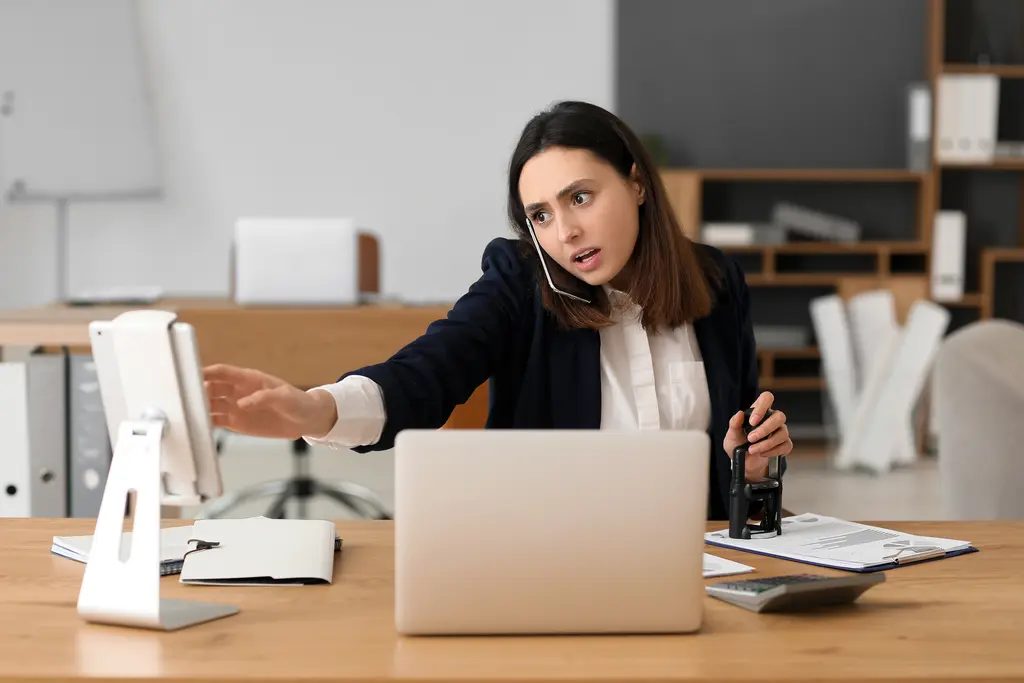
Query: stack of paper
(719, 566)
(830, 542)
(173, 546)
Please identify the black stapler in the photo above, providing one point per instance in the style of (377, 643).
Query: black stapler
(743, 493)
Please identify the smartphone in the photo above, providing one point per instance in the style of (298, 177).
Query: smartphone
(568, 285)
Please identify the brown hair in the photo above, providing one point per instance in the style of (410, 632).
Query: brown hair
(670, 277)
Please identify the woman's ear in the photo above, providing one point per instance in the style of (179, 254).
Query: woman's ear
(637, 185)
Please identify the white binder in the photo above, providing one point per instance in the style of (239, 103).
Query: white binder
(15, 499)
(949, 244)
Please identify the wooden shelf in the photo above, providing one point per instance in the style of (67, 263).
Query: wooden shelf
(971, 300)
(893, 247)
(791, 383)
(797, 279)
(1003, 253)
(795, 352)
(996, 165)
(1001, 70)
(990, 256)
(868, 175)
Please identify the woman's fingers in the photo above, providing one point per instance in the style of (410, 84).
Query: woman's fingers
(772, 424)
(222, 372)
(761, 406)
(778, 438)
(221, 420)
(220, 405)
(781, 449)
(219, 389)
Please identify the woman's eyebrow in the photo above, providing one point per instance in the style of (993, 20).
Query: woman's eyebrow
(568, 189)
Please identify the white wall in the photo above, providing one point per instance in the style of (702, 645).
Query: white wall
(401, 114)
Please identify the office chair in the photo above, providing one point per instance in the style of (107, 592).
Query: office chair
(261, 236)
(301, 486)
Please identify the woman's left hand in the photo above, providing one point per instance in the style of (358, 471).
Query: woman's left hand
(769, 438)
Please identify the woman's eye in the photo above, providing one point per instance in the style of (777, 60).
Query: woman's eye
(540, 217)
(581, 198)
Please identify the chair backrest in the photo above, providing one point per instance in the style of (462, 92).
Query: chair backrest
(979, 401)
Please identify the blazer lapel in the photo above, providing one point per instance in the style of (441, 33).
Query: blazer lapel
(576, 379)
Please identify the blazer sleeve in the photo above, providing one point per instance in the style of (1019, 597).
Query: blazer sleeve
(749, 380)
(424, 381)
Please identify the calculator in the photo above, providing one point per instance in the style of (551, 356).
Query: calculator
(794, 592)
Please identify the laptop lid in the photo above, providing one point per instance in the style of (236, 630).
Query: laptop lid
(549, 531)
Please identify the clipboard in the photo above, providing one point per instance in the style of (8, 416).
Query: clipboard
(833, 543)
(896, 561)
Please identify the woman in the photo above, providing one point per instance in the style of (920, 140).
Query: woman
(601, 314)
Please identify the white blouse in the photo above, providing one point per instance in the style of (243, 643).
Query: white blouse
(648, 381)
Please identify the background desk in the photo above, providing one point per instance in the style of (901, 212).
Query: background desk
(955, 619)
(304, 346)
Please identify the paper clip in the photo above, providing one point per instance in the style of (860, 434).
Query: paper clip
(920, 553)
(200, 545)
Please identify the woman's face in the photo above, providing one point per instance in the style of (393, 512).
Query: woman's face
(584, 213)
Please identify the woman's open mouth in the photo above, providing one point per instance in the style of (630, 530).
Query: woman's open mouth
(588, 259)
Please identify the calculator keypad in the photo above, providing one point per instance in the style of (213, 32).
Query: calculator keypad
(762, 585)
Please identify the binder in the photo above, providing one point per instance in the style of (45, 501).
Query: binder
(89, 449)
(15, 498)
(47, 435)
(834, 543)
(949, 248)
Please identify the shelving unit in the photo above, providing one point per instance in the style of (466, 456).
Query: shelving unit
(907, 259)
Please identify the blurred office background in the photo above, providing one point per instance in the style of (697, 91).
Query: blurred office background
(799, 135)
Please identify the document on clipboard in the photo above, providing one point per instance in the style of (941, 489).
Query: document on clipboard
(839, 544)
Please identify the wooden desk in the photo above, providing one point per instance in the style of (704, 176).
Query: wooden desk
(955, 619)
(306, 347)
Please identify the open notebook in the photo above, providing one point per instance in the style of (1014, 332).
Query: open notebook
(261, 551)
(173, 546)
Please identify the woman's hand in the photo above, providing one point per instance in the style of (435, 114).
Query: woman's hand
(769, 439)
(252, 402)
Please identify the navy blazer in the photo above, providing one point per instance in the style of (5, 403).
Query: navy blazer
(543, 376)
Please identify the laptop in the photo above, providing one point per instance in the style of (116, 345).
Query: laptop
(549, 531)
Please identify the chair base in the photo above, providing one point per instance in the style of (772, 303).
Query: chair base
(300, 486)
(358, 499)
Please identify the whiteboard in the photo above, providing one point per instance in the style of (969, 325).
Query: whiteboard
(80, 119)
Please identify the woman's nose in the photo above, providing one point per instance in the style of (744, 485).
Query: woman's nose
(568, 229)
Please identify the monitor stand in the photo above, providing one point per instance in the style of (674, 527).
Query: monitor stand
(127, 592)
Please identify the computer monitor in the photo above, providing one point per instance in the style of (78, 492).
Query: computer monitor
(189, 456)
(150, 382)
